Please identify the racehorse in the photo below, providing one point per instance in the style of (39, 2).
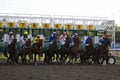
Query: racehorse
(65, 50)
(75, 50)
(51, 51)
(88, 56)
(25, 50)
(103, 50)
(37, 50)
(12, 52)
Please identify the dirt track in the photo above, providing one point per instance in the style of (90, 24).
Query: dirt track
(59, 72)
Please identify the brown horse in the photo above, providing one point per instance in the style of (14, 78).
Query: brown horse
(51, 51)
(37, 49)
(65, 50)
(25, 50)
(12, 52)
(90, 52)
(103, 50)
(75, 50)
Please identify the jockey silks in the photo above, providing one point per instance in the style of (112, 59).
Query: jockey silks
(87, 40)
(9, 39)
(62, 39)
(23, 39)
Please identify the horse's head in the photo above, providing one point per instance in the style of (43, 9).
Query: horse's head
(12, 45)
(28, 43)
(106, 42)
(67, 43)
(76, 41)
(55, 36)
(90, 42)
(14, 40)
(39, 43)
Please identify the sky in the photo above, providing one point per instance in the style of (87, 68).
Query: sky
(96, 8)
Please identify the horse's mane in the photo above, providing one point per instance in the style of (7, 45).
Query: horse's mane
(76, 41)
(28, 42)
(106, 42)
(13, 45)
(67, 43)
(90, 42)
(39, 43)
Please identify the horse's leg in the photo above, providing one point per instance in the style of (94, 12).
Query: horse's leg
(49, 58)
(16, 57)
(61, 57)
(76, 57)
(57, 57)
(13, 56)
(5, 53)
(25, 60)
(22, 57)
(9, 57)
(73, 58)
(66, 57)
(29, 56)
(52, 57)
(45, 58)
(39, 56)
(35, 59)
(82, 54)
(69, 58)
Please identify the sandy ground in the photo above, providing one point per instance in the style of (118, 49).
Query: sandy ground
(59, 72)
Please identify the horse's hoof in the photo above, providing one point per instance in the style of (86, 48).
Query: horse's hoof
(35, 64)
(104, 63)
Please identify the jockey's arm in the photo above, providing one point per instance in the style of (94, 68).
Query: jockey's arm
(109, 43)
(35, 39)
(60, 38)
(21, 38)
(7, 39)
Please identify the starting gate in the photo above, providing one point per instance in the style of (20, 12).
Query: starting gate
(46, 24)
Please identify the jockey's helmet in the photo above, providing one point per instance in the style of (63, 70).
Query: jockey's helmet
(25, 32)
(76, 34)
(11, 33)
(54, 32)
(38, 36)
(64, 33)
(106, 35)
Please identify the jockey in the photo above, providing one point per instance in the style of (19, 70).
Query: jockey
(36, 38)
(73, 38)
(9, 38)
(62, 38)
(101, 41)
(24, 38)
(88, 40)
(52, 37)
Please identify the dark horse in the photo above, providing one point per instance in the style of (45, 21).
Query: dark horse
(89, 53)
(12, 52)
(37, 50)
(65, 50)
(51, 51)
(75, 50)
(25, 50)
(103, 50)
